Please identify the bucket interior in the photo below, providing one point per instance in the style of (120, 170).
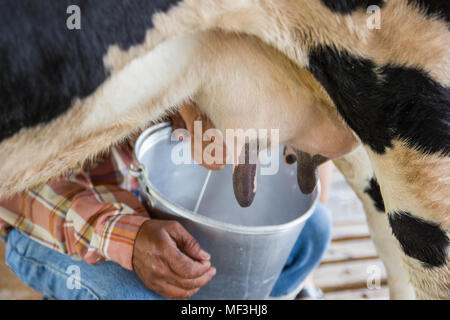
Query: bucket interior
(278, 198)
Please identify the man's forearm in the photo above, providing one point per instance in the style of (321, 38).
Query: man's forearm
(78, 221)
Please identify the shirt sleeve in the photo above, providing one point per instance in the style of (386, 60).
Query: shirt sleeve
(94, 222)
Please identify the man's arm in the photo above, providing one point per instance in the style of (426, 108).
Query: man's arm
(96, 224)
(91, 214)
(109, 223)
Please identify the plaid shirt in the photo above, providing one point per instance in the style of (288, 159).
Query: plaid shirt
(91, 214)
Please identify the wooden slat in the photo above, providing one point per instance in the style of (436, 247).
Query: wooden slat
(361, 294)
(349, 231)
(339, 252)
(347, 276)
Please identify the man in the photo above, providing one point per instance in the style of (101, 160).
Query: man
(85, 235)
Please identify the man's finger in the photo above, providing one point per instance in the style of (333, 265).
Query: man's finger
(177, 121)
(190, 114)
(184, 266)
(172, 292)
(190, 284)
(187, 244)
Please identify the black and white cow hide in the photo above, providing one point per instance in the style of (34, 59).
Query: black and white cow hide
(68, 94)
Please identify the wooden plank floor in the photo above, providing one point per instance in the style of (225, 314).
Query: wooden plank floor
(342, 275)
(351, 262)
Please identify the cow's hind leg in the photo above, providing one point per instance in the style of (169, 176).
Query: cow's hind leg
(357, 169)
(415, 188)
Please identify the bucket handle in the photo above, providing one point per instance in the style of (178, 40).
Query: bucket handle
(135, 171)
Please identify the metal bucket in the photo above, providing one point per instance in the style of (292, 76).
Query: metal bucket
(248, 247)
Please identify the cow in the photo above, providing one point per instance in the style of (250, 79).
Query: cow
(376, 101)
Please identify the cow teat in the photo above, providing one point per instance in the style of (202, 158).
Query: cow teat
(244, 176)
(308, 170)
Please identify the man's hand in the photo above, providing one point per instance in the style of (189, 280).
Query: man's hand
(169, 261)
(188, 113)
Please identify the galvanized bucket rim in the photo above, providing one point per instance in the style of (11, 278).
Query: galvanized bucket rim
(152, 192)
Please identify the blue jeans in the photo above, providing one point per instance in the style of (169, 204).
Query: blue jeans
(50, 272)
